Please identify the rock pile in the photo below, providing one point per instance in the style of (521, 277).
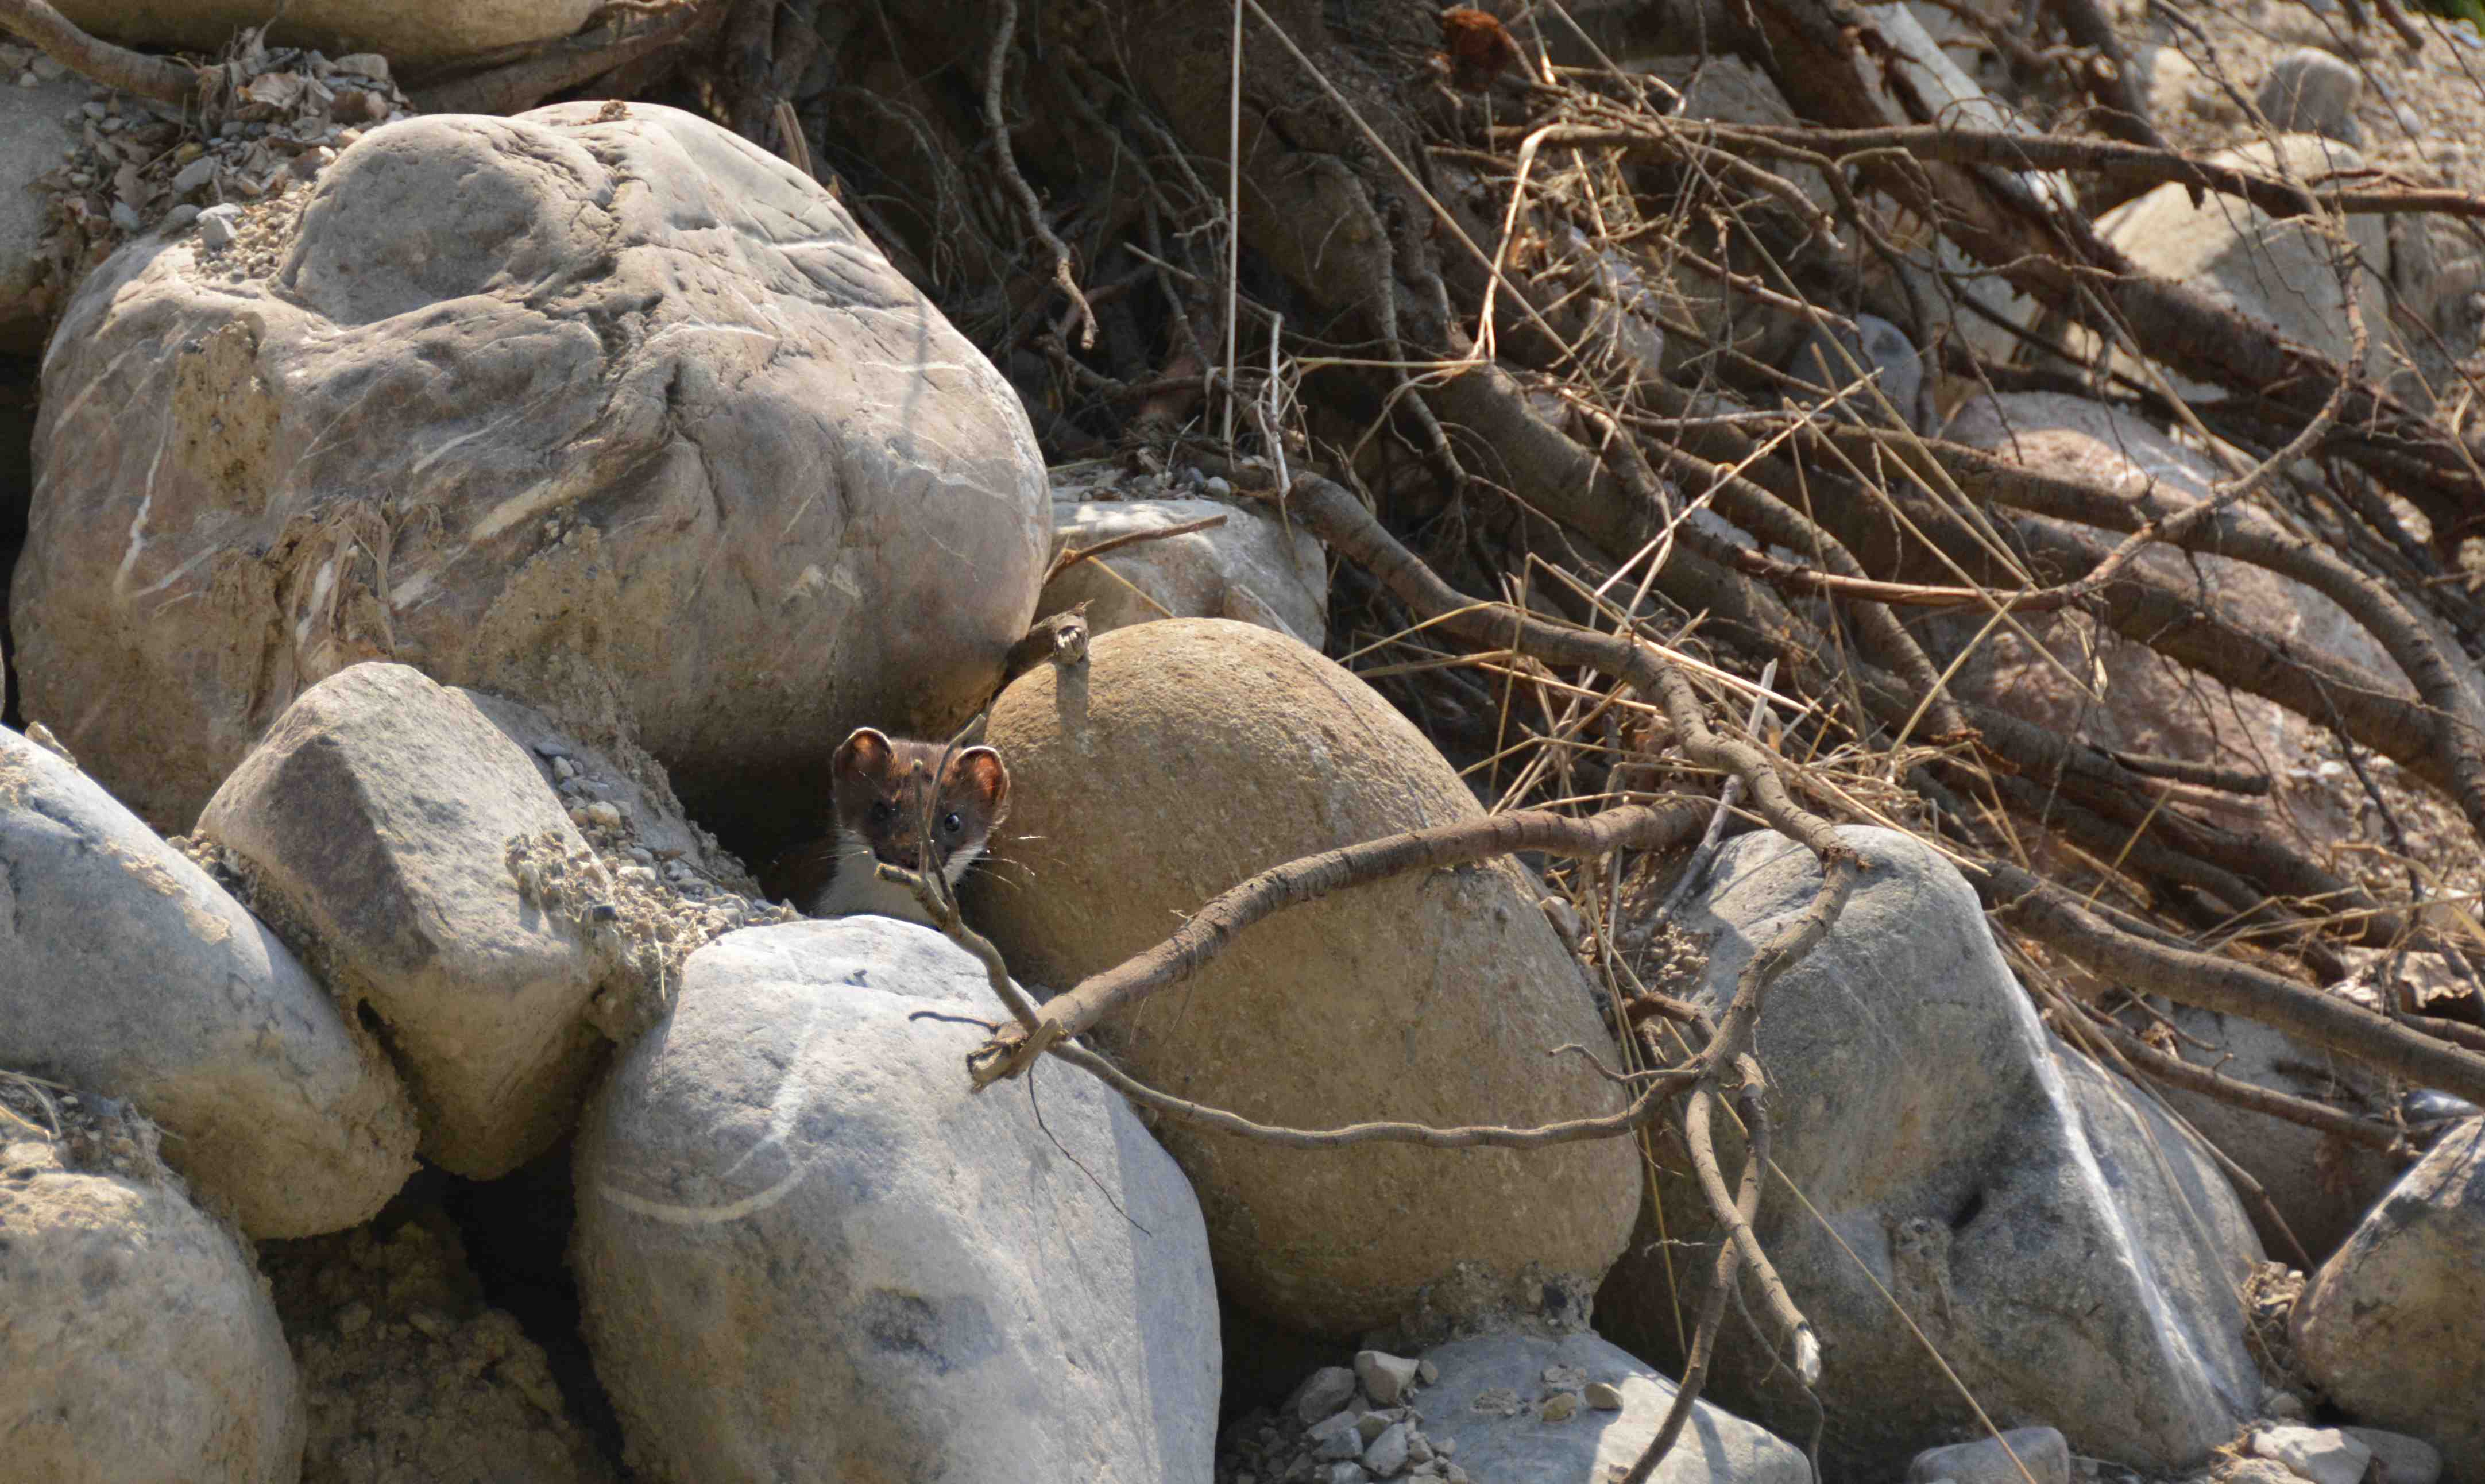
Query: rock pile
(399, 1080)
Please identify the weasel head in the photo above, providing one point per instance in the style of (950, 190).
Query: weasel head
(883, 786)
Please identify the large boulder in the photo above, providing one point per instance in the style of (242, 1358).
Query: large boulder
(2310, 91)
(707, 467)
(1188, 755)
(431, 33)
(124, 968)
(2391, 1326)
(2070, 1251)
(808, 1251)
(374, 825)
(136, 1337)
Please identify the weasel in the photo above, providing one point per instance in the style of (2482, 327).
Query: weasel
(879, 785)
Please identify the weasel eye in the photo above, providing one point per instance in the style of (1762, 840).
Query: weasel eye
(882, 812)
(951, 823)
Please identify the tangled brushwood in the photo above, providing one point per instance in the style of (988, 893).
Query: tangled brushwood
(1593, 394)
(1720, 415)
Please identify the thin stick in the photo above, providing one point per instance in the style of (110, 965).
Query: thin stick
(996, 64)
(1213, 930)
(115, 67)
(1727, 798)
(1233, 222)
(1072, 555)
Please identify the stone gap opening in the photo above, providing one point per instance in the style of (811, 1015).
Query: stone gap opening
(383, 1320)
(517, 1231)
(18, 377)
(759, 815)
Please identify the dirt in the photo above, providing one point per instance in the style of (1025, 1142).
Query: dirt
(410, 1376)
(93, 1134)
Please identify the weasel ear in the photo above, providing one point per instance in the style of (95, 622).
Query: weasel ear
(980, 772)
(865, 750)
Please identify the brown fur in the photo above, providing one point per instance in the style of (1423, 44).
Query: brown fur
(880, 786)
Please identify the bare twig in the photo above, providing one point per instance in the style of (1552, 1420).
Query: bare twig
(1697, 867)
(1213, 928)
(160, 78)
(2047, 913)
(563, 66)
(1005, 160)
(1072, 555)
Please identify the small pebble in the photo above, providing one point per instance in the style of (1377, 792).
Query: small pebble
(217, 225)
(1603, 1396)
(1218, 488)
(124, 218)
(181, 216)
(1384, 1377)
(1559, 1407)
(1336, 1437)
(1323, 1393)
(602, 812)
(2325, 1455)
(1387, 1453)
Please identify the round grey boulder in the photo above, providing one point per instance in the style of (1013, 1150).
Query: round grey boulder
(126, 969)
(806, 1251)
(137, 1344)
(600, 406)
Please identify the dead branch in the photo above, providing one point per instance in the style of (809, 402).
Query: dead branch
(2174, 1071)
(1653, 1091)
(1660, 826)
(160, 78)
(2430, 738)
(995, 68)
(1743, 1207)
(2109, 77)
(2052, 916)
(2134, 164)
(568, 64)
(1072, 555)
(1815, 53)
